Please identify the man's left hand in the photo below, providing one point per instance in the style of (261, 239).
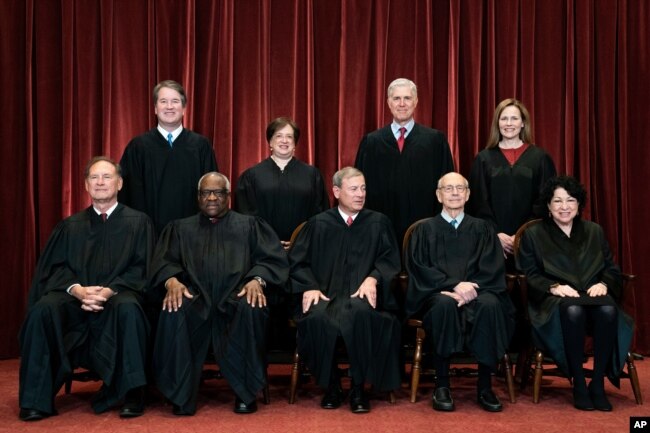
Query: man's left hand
(368, 290)
(254, 294)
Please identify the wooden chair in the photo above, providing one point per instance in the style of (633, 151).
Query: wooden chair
(297, 368)
(631, 374)
(420, 334)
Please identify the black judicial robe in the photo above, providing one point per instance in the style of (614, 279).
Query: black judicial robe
(548, 256)
(438, 258)
(161, 181)
(214, 261)
(284, 198)
(58, 335)
(402, 185)
(505, 195)
(331, 257)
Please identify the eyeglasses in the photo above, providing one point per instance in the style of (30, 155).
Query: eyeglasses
(219, 193)
(450, 188)
(570, 201)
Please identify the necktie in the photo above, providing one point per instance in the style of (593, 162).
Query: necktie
(104, 216)
(453, 223)
(169, 139)
(349, 221)
(400, 140)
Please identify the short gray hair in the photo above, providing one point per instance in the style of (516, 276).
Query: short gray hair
(214, 173)
(402, 82)
(344, 173)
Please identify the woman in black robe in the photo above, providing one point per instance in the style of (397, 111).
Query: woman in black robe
(575, 286)
(285, 192)
(281, 189)
(507, 176)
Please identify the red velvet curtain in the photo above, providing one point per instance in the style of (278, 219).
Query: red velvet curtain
(78, 76)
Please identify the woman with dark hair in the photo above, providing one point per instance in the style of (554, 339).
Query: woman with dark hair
(575, 287)
(281, 189)
(508, 174)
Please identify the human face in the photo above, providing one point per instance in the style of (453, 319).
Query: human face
(402, 103)
(453, 192)
(216, 199)
(169, 108)
(510, 122)
(351, 195)
(563, 207)
(103, 183)
(282, 143)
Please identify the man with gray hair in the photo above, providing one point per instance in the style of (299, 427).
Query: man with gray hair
(342, 263)
(211, 270)
(457, 287)
(402, 161)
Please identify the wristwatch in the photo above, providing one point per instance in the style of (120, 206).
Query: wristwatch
(261, 281)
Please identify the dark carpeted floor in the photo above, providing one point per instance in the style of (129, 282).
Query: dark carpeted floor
(554, 413)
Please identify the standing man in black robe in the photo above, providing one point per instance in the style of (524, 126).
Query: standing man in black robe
(162, 166)
(84, 303)
(212, 269)
(343, 262)
(403, 161)
(457, 286)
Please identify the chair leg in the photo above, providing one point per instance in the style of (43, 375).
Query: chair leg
(634, 378)
(539, 359)
(295, 371)
(391, 397)
(523, 368)
(417, 362)
(509, 382)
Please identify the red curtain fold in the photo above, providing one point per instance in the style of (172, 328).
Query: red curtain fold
(80, 76)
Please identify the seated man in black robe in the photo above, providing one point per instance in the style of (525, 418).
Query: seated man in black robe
(84, 303)
(212, 269)
(457, 286)
(343, 262)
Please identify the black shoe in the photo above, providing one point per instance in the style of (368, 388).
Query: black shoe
(599, 399)
(241, 407)
(332, 398)
(133, 403)
(359, 400)
(179, 411)
(581, 399)
(489, 401)
(31, 414)
(442, 400)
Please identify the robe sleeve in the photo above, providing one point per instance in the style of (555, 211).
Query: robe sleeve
(529, 261)
(546, 171)
(321, 200)
(134, 277)
(387, 266)
(268, 258)
(208, 159)
(132, 193)
(425, 279)
(167, 260)
(489, 271)
(245, 200)
(479, 202)
(302, 276)
(611, 273)
(52, 271)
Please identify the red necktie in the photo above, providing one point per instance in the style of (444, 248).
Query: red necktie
(104, 216)
(400, 140)
(350, 221)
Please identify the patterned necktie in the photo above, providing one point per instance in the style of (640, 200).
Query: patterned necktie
(104, 216)
(400, 140)
(169, 139)
(453, 223)
(349, 221)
